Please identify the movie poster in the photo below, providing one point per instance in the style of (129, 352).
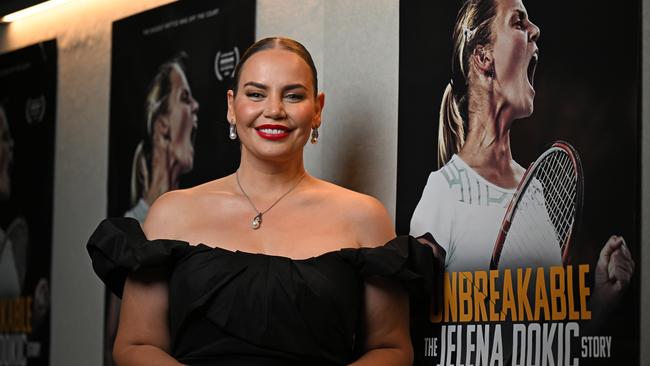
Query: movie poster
(171, 68)
(27, 132)
(517, 77)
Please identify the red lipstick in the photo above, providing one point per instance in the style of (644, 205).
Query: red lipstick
(272, 132)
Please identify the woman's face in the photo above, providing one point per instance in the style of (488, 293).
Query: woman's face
(182, 120)
(6, 156)
(275, 107)
(515, 56)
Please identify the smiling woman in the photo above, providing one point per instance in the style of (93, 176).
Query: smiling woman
(275, 108)
(307, 285)
(278, 100)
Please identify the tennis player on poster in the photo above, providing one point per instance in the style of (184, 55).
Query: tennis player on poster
(464, 202)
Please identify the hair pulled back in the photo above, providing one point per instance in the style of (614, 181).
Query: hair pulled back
(472, 29)
(156, 105)
(282, 43)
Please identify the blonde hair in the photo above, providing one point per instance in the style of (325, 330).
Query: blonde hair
(156, 105)
(472, 29)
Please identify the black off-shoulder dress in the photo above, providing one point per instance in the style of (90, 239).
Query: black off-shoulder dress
(239, 308)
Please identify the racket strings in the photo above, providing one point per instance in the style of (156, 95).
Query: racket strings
(543, 215)
(561, 200)
(545, 212)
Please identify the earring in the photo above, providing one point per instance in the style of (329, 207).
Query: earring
(314, 135)
(233, 132)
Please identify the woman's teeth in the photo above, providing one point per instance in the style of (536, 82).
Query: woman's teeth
(273, 131)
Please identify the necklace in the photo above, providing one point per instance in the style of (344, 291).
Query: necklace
(256, 223)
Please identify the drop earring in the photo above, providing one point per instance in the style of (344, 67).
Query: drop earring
(233, 131)
(314, 135)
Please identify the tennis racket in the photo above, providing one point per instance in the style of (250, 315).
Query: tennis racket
(541, 220)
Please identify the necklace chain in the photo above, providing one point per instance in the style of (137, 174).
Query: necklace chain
(256, 223)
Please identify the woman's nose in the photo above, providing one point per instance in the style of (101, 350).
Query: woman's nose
(195, 106)
(274, 108)
(534, 32)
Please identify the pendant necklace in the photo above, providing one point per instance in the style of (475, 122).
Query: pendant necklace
(256, 223)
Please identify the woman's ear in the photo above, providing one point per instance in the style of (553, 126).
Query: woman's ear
(230, 114)
(162, 128)
(483, 60)
(320, 104)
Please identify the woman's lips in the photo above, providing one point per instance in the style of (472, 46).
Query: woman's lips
(272, 132)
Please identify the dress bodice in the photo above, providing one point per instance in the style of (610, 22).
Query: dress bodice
(243, 308)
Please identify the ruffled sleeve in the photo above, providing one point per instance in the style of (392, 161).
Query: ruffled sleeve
(405, 259)
(118, 247)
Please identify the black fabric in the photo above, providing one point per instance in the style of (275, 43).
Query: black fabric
(239, 308)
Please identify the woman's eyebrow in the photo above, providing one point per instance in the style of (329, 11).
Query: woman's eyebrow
(294, 86)
(264, 87)
(521, 13)
(256, 85)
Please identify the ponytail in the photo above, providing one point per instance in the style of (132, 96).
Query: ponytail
(451, 128)
(473, 28)
(139, 174)
(156, 105)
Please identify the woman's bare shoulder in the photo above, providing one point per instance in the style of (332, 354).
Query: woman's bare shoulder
(371, 220)
(359, 205)
(174, 212)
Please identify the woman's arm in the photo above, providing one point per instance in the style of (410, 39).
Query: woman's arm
(386, 325)
(143, 332)
(386, 339)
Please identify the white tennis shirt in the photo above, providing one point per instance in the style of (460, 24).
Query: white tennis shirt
(464, 212)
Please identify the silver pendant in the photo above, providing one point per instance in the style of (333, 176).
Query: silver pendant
(257, 221)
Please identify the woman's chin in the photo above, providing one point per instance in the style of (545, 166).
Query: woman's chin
(526, 112)
(530, 108)
(525, 109)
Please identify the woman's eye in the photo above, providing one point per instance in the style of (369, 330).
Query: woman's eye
(254, 95)
(294, 97)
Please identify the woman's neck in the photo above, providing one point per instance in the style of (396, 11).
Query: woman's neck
(487, 145)
(163, 177)
(488, 136)
(268, 179)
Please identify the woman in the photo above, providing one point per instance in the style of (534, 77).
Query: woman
(167, 150)
(494, 57)
(278, 279)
